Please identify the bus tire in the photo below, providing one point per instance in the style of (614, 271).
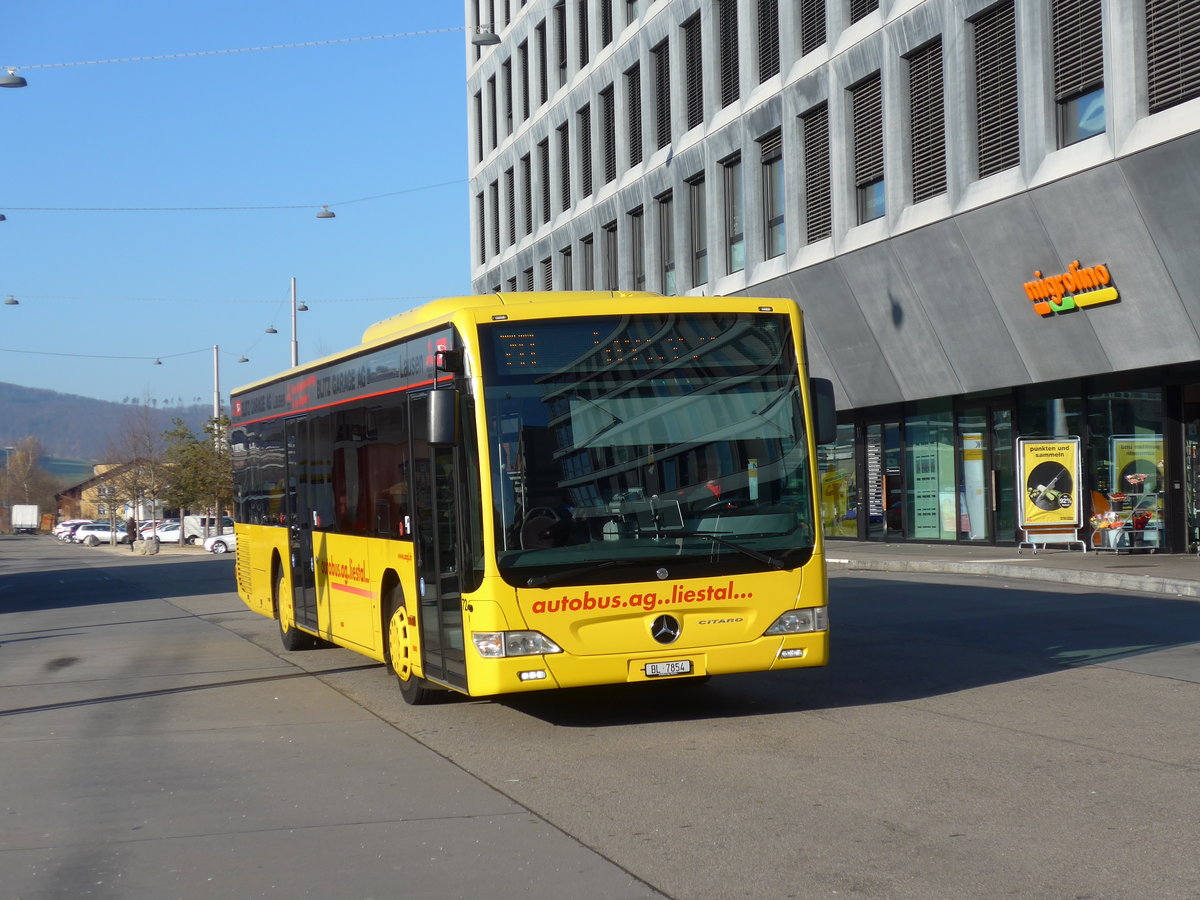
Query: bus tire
(291, 637)
(414, 690)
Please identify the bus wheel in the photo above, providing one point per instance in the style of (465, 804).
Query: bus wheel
(412, 688)
(290, 636)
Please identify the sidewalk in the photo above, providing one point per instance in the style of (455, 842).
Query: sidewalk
(1153, 573)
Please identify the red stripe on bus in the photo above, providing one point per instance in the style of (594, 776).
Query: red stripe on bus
(358, 592)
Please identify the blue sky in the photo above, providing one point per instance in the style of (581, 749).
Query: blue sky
(302, 127)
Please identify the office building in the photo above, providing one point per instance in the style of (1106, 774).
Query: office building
(988, 211)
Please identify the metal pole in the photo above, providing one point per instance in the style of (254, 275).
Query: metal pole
(295, 346)
(216, 384)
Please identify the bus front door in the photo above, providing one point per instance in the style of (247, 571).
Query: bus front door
(435, 524)
(300, 520)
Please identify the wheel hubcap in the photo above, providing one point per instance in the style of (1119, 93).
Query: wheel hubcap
(398, 638)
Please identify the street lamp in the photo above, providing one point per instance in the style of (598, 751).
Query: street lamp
(484, 36)
(13, 80)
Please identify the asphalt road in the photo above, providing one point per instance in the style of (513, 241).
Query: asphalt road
(971, 738)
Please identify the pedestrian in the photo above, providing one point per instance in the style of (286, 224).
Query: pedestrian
(131, 530)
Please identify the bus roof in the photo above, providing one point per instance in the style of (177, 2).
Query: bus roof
(439, 310)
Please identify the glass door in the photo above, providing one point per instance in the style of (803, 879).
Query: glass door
(436, 541)
(986, 487)
(300, 521)
(884, 458)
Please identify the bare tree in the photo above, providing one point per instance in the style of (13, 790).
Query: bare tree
(25, 481)
(141, 478)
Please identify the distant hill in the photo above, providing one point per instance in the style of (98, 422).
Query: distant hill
(78, 428)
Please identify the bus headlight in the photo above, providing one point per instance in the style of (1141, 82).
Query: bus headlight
(801, 621)
(498, 644)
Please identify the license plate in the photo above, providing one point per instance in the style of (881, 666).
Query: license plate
(675, 667)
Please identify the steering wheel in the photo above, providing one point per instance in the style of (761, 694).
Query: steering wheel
(538, 521)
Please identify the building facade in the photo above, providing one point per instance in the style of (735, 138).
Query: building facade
(988, 211)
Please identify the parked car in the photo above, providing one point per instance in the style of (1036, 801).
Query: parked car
(64, 529)
(168, 533)
(221, 543)
(94, 533)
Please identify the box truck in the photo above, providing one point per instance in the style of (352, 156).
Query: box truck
(25, 519)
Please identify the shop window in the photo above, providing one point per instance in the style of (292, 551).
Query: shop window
(1126, 468)
(839, 485)
(932, 492)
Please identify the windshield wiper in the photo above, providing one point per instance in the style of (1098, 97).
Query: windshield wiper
(543, 580)
(732, 545)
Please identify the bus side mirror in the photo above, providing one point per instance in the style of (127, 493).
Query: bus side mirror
(443, 417)
(824, 412)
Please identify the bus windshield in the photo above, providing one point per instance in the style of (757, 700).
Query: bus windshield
(621, 443)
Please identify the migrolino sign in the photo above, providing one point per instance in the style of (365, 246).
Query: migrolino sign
(1077, 287)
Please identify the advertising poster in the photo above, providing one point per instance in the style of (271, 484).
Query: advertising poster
(1047, 481)
(1137, 463)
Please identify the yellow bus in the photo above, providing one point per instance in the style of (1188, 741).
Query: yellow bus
(527, 491)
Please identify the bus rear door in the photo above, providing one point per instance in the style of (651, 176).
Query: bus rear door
(300, 522)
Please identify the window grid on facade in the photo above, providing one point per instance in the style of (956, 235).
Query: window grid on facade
(478, 99)
(510, 196)
(584, 135)
(584, 49)
(666, 244)
(860, 9)
(611, 262)
(735, 228)
(560, 39)
(494, 197)
(693, 73)
(565, 269)
(1078, 47)
(506, 89)
(1078, 35)
(1172, 52)
(633, 82)
(523, 59)
(528, 273)
(727, 24)
(926, 99)
(547, 274)
(543, 63)
(608, 133)
(698, 230)
(662, 94)
(493, 131)
(996, 102)
(774, 202)
(818, 183)
(768, 39)
(812, 25)
(637, 241)
(867, 110)
(564, 162)
(512, 284)
(527, 191)
(544, 169)
(606, 22)
(481, 226)
(588, 262)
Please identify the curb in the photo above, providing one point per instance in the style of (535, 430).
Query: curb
(1144, 584)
